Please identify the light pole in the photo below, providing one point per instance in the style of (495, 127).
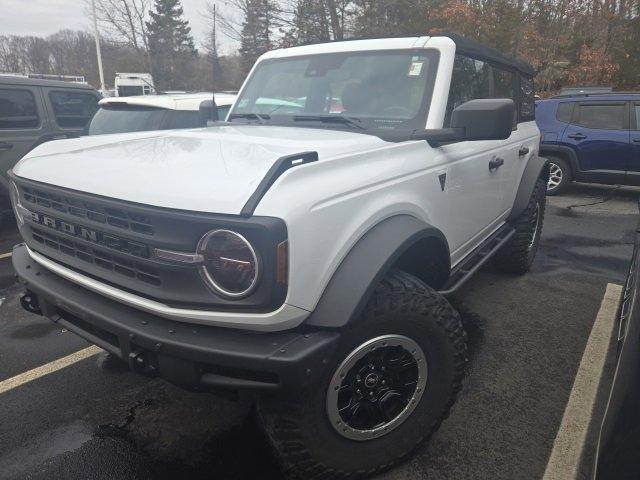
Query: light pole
(97, 37)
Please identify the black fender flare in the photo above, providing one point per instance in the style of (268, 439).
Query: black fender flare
(365, 265)
(537, 167)
(565, 152)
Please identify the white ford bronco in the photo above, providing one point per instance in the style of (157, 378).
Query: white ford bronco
(303, 249)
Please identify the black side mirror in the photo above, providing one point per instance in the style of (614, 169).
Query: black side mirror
(481, 119)
(208, 111)
(485, 119)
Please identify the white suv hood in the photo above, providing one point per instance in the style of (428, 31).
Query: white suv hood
(208, 170)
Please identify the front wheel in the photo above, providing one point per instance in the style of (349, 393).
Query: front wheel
(394, 379)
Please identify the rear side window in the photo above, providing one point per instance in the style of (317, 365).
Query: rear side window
(610, 117)
(18, 109)
(527, 99)
(73, 109)
(565, 111)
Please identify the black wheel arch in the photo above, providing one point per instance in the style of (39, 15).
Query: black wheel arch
(537, 167)
(563, 152)
(392, 243)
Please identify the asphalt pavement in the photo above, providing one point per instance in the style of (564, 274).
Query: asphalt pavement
(92, 420)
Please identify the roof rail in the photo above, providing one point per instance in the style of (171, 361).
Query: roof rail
(595, 94)
(48, 76)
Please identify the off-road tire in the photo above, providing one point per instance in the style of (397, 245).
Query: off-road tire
(517, 255)
(298, 426)
(561, 165)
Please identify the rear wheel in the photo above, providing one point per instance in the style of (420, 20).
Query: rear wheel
(559, 175)
(393, 380)
(517, 255)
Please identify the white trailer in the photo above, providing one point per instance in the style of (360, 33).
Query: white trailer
(130, 84)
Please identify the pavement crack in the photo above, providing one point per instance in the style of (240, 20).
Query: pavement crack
(121, 430)
(607, 196)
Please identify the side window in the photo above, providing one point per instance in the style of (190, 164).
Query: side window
(473, 79)
(637, 110)
(504, 84)
(223, 112)
(610, 117)
(185, 119)
(565, 112)
(469, 80)
(18, 109)
(527, 99)
(73, 109)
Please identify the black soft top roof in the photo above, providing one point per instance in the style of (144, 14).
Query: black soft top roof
(479, 51)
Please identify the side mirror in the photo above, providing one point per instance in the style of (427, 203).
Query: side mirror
(481, 119)
(208, 111)
(485, 119)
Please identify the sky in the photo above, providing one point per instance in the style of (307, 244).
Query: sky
(44, 17)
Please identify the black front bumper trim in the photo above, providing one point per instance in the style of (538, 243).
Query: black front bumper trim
(193, 356)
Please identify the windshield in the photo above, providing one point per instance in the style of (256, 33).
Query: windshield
(126, 118)
(367, 90)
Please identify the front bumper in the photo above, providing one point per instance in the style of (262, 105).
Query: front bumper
(192, 356)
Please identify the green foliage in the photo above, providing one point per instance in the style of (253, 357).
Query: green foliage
(171, 46)
(256, 31)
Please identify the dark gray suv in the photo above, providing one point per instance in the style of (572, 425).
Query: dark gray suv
(33, 111)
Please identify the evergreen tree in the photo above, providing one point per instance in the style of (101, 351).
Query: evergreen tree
(171, 46)
(256, 31)
(311, 22)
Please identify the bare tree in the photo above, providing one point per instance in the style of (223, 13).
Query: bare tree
(125, 22)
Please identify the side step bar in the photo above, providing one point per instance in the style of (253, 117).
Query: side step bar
(476, 259)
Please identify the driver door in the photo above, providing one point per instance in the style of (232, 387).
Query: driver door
(474, 193)
(477, 171)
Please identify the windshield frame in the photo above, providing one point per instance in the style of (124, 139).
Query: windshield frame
(372, 126)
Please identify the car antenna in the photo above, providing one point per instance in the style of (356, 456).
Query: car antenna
(214, 56)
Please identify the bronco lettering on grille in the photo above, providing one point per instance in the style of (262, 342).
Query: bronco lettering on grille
(100, 238)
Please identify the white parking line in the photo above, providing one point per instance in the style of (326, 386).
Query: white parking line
(564, 461)
(48, 368)
(5, 255)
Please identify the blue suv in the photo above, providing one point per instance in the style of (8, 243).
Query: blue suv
(591, 138)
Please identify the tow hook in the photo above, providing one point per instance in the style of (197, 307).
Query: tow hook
(141, 362)
(29, 302)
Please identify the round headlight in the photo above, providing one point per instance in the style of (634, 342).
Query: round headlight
(15, 197)
(230, 264)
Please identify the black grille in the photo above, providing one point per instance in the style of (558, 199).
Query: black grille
(112, 241)
(97, 257)
(92, 211)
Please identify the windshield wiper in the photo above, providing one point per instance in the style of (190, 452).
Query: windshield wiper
(351, 121)
(262, 118)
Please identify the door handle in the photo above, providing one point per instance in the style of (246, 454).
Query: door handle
(577, 136)
(6, 146)
(523, 151)
(495, 163)
(636, 140)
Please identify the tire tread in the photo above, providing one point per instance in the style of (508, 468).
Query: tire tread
(399, 292)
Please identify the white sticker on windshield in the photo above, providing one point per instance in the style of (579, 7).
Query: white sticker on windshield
(415, 68)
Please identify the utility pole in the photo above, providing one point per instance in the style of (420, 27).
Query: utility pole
(97, 37)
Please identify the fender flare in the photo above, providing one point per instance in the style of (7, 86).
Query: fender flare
(366, 264)
(537, 167)
(565, 152)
